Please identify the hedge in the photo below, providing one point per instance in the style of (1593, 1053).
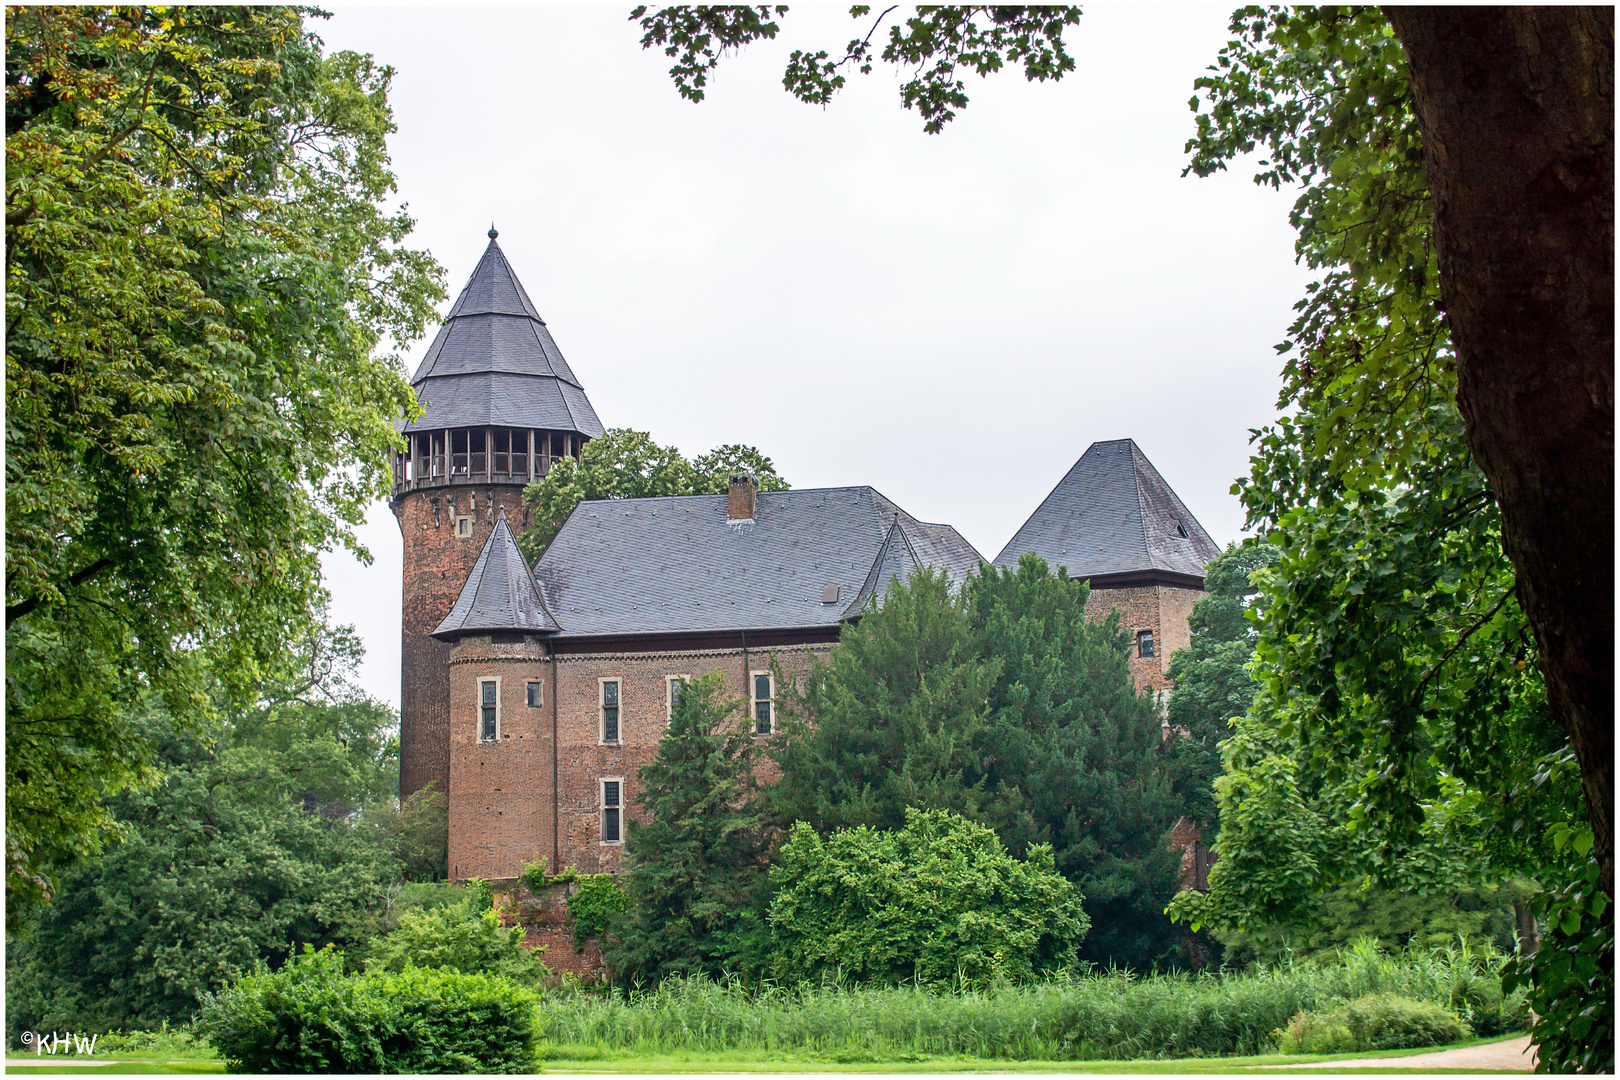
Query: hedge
(313, 1017)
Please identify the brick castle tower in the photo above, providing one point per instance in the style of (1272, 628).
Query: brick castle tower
(500, 405)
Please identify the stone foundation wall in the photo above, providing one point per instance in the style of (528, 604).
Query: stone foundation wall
(546, 924)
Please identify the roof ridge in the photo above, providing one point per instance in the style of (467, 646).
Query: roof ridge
(910, 547)
(1141, 501)
(791, 492)
(870, 585)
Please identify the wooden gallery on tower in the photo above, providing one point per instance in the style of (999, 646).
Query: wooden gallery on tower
(531, 695)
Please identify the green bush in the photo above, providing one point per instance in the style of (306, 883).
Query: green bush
(1316, 1033)
(1374, 1022)
(312, 1017)
(466, 936)
(163, 1041)
(593, 905)
(1392, 1022)
(937, 901)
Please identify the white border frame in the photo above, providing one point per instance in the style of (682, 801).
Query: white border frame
(602, 807)
(482, 679)
(753, 701)
(601, 711)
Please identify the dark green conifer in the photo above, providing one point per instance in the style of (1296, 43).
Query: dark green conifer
(698, 860)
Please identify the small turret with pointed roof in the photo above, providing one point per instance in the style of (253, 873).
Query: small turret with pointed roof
(499, 594)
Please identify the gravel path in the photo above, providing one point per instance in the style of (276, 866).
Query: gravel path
(1511, 1055)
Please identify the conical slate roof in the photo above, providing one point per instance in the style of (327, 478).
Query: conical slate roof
(896, 560)
(499, 594)
(1114, 514)
(494, 363)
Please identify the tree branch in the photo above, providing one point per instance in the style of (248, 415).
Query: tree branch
(1435, 670)
(17, 611)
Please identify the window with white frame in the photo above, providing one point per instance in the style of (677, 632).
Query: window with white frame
(612, 809)
(674, 685)
(533, 695)
(489, 710)
(610, 710)
(764, 701)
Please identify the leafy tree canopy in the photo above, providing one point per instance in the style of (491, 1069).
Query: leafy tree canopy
(937, 44)
(937, 901)
(891, 720)
(1001, 702)
(466, 936)
(1074, 757)
(263, 836)
(1211, 677)
(199, 273)
(1401, 730)
(697, 864)
(625, 464)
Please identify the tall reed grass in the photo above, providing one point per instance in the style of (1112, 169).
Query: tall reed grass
(1075, 1017)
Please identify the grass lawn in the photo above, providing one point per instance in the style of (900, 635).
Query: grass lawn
(590, 1059)
(119, 1065)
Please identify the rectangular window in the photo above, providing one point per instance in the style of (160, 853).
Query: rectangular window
(478, 448)
(611, 809)
(1144, 643)
(533, 695)
(458, 453)
(764, 695)
(610, 710)
(502, 450)
(674, 685)
(489, 710)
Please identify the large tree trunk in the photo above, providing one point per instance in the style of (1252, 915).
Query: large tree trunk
(1516, 107)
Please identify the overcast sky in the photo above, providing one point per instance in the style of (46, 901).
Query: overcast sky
(952, 318)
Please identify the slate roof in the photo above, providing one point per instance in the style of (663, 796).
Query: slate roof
(676, 565)
(499, 594)
(494, 363)
(1114, 514)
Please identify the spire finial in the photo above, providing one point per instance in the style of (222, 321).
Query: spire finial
(492, 233)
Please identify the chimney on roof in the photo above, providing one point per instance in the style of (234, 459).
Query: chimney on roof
(740, 498)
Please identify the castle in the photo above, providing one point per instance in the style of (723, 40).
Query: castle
(533, 694)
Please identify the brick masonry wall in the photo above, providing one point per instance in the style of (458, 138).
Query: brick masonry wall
(501, 793)
(500, 805)
(546, 925)
(1162, 609)
(583, 759)
(436, 565)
